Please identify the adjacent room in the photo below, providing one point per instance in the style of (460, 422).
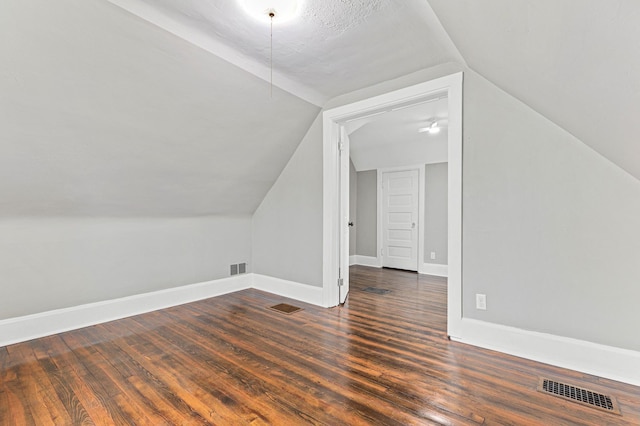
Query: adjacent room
(319, 212)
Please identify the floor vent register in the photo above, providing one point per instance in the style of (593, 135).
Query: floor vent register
(580, 395)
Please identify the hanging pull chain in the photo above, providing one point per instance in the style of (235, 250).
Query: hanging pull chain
(271, 15)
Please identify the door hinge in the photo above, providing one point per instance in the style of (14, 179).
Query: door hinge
(340, 282)
(340, 146)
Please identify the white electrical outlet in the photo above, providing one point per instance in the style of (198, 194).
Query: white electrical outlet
(433, 255)
(481, 302)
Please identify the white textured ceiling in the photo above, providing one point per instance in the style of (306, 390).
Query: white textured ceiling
(333, 47)
(392, 139)
(577, 62)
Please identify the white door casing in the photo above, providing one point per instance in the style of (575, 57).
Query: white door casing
(333, 119)
(343, 153)
(400, 216)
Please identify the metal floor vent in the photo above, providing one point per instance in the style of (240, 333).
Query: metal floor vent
(285, 308)
(375, 290)
(580, 395)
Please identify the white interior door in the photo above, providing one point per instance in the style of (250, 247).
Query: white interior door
(343, 273)
(400, 192)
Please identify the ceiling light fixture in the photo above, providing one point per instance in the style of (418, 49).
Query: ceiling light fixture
(270, 11)
(282, 10)
(433, 128)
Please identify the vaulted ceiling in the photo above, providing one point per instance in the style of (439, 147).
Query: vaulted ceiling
(163, 107)
(577, 62)
(104, 114)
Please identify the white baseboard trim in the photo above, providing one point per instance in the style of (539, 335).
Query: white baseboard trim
(599, 360)
(352, 260)
(434, 269)
(290, 289)
(591, 358)
(366, 261)
(21, 329)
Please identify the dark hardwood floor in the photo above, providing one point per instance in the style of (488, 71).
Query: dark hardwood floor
(380, 359)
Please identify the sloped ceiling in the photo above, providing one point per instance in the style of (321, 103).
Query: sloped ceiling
(104, 114)
(577, 62)
(162, 107)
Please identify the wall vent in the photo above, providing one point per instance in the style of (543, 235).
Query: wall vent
(580, 395)
(234, 269)
(242, 268)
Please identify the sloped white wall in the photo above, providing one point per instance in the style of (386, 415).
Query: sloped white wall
(574, 61)
(287, 226)
(551, 228)
(52, 263)
(105, 115)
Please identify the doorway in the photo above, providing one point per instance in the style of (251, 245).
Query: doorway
(335, 212)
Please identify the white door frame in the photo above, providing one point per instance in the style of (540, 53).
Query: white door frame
(343, 237)
(332, 120)
(421, 197)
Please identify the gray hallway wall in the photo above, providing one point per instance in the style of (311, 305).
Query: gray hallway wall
(287, 226)
(435, 213)
(367, 220)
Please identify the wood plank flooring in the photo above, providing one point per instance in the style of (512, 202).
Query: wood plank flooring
(380, 359)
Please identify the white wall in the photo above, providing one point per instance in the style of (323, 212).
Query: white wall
(287, 226)
(51, 263)
(551, 228)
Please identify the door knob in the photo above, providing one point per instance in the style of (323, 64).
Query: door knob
(350, 224)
